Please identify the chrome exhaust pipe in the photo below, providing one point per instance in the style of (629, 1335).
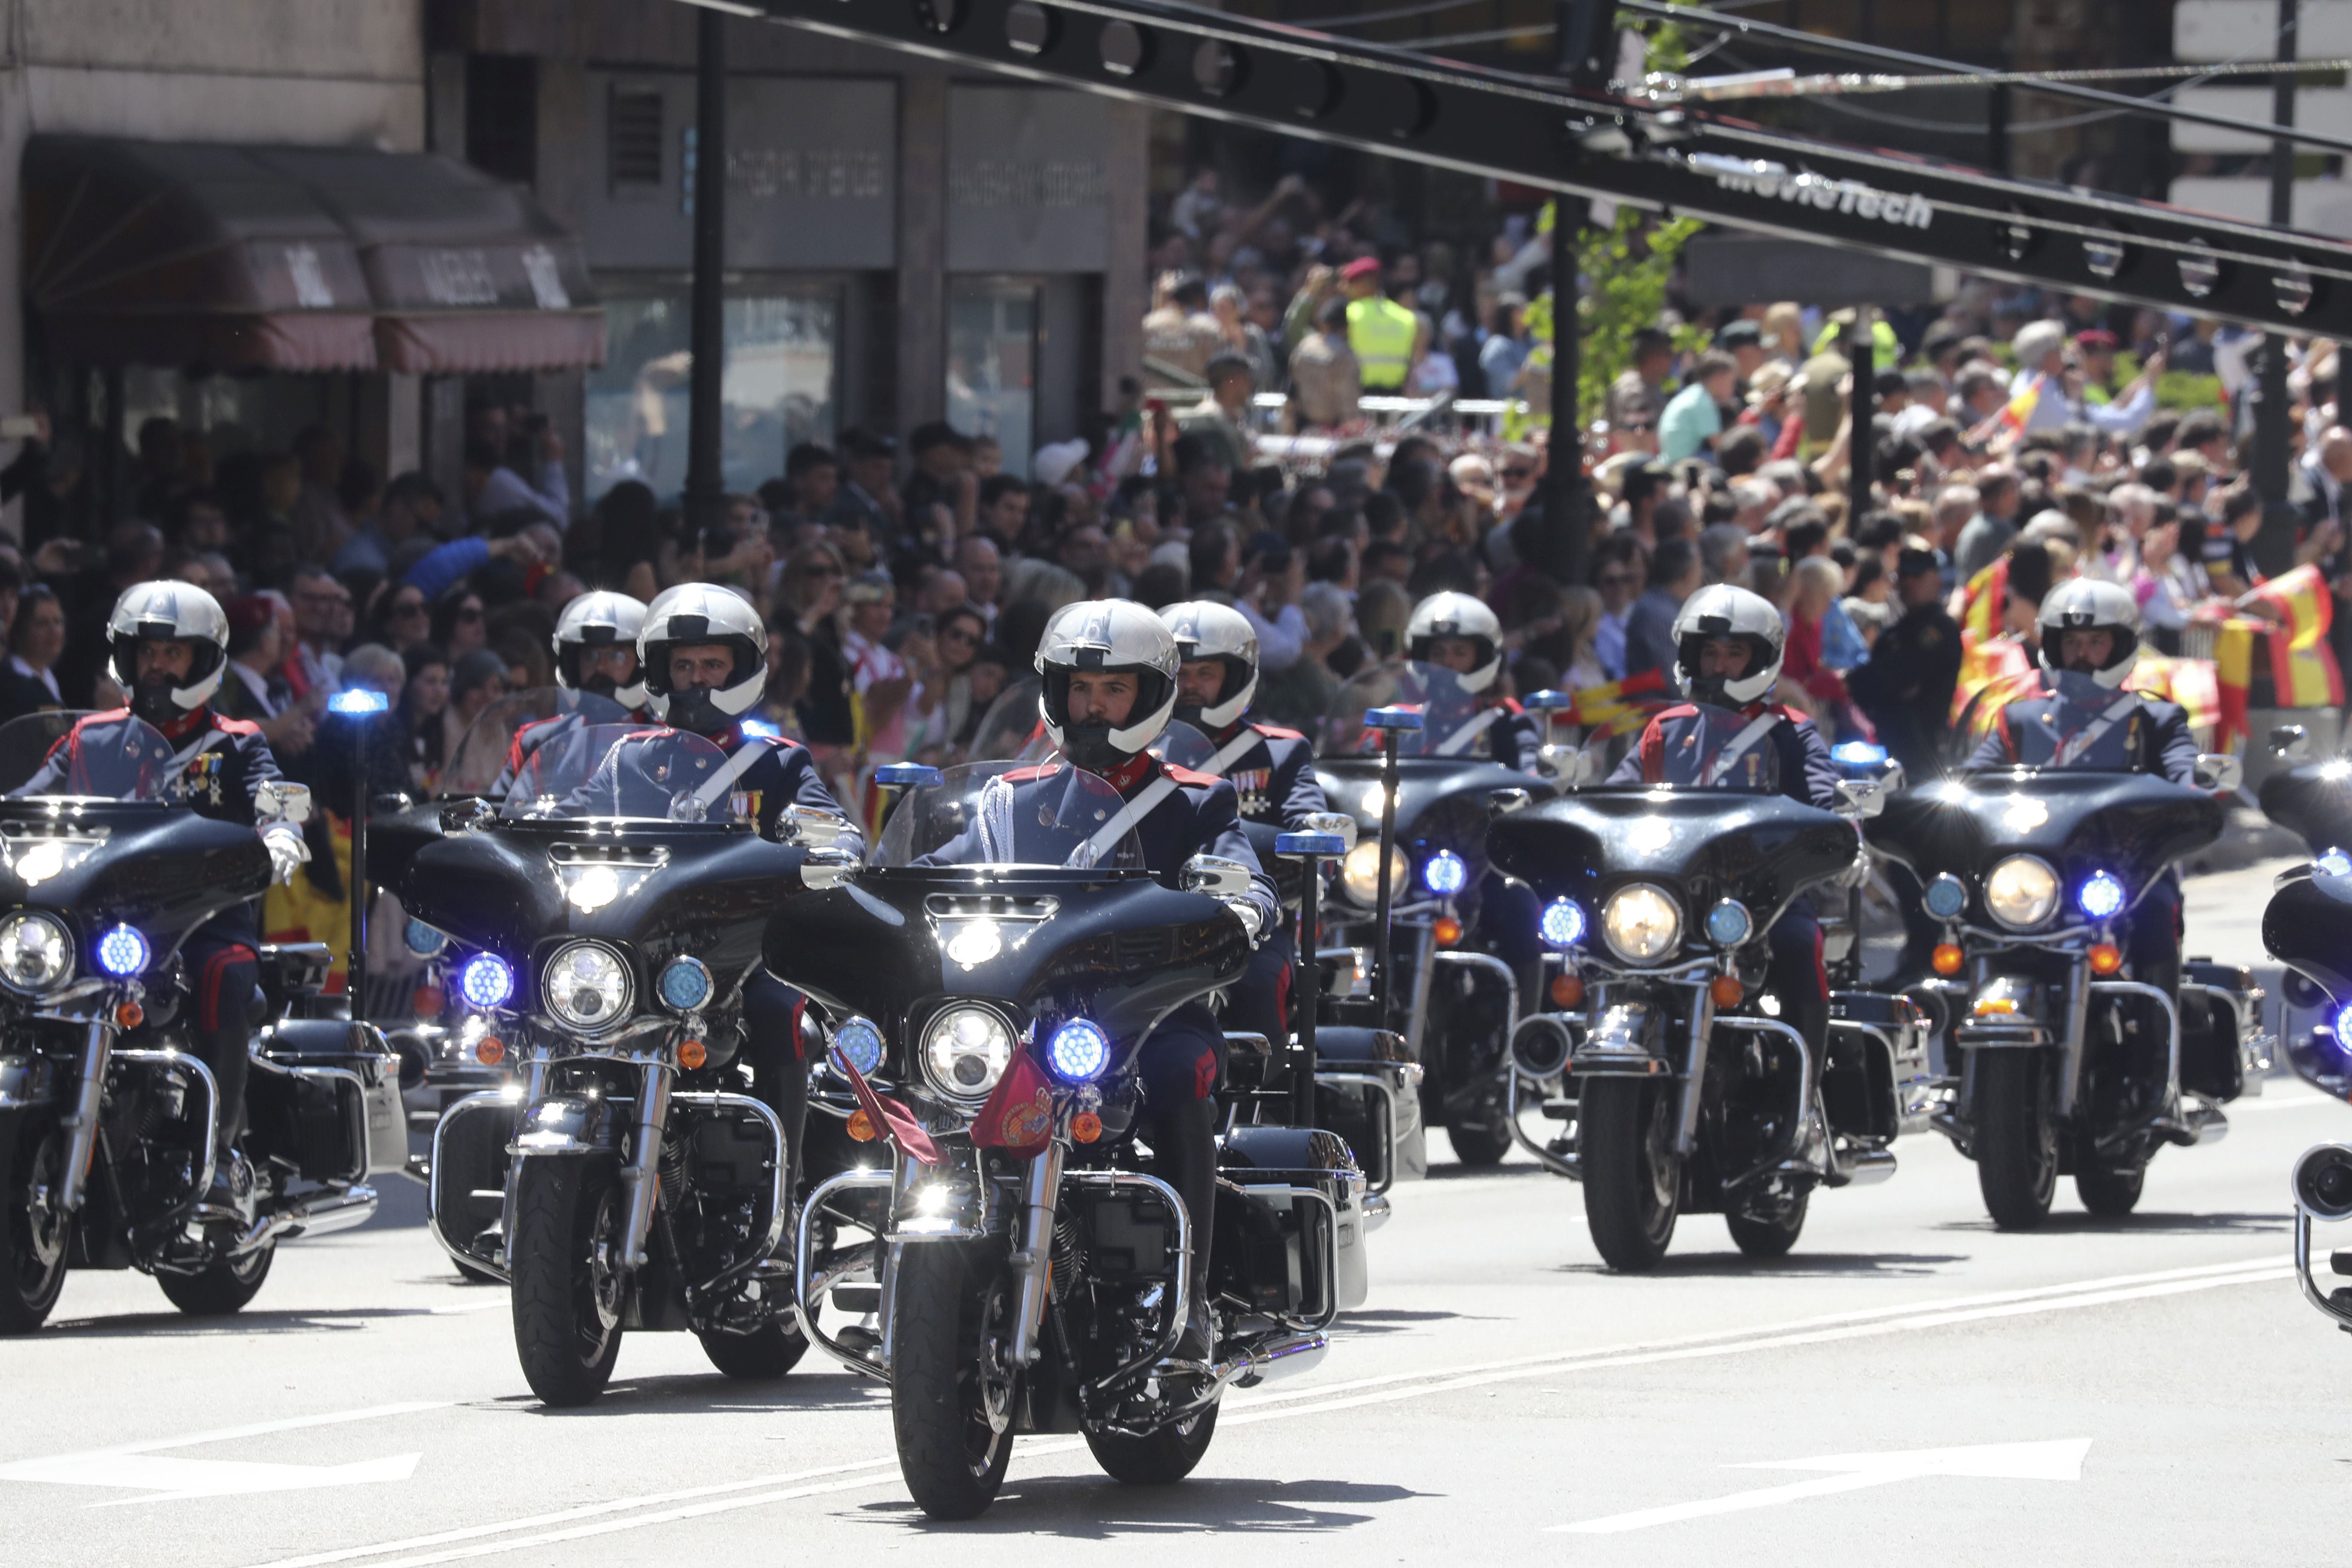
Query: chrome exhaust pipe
(322, 1216)
(1541, 1046)
(1283, 1355)
(1867, 1167)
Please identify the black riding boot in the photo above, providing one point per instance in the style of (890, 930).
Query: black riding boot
(1184, 1136)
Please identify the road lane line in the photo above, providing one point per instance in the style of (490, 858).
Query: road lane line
(257, 1430)
(2283, 1103)
(1836, 1328)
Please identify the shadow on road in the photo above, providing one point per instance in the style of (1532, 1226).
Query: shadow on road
(1397, 1321)
(688, 1393)
(1096, 1508)
(166, 1325)
(2147, 1225)
(1458, 1171)
(1796, 1266)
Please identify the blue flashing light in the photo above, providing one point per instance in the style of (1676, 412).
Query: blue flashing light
(1078, 1052)
(860, 1045)
(359, 700)
(1444, 873)
(1562, 924)
(907, 775)
(1858, 753)
(760, 730)
(486, 980)
(2101, 896)
(685, 984)
(2335, 863)
(123, 953)
(2344, 1027)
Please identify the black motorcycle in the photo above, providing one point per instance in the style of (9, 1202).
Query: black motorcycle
(2067, 1064)
(1656, 1038)
(613, 908)
(1447, 992)
(2312, 798)
(1023, 1268)
(2309, 928)
(106, 1117)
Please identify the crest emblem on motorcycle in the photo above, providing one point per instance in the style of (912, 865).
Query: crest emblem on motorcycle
(1029, 1123)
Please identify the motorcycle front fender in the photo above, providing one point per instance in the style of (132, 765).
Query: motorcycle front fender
(566, 1124)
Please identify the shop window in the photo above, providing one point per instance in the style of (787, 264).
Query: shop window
(993, 363)
(502, 116)
(632, 139)
(782, 349)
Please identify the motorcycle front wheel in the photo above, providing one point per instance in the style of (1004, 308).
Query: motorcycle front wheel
(952, 1375)
(2111, 1195)
(37, 1230)
(1167, 1456)
(2015, 1138)
(1632, 1179)
(766, 1354)
(567, 1281)
(224, 1287)
(1768, 1226)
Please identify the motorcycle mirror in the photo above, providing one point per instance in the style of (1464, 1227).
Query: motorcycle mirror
(1860, 798)
(1332, 822)
(282, 800)
(2218, 772)
(2323, 1183)
(1217, 876)
(810, 825)
(1572, 765)
(464, 815)
(2290, 742)
(1502, 801)
(829, 868)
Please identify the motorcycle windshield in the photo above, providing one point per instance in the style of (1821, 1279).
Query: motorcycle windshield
(488, 742)
(2133, 825)
(1013, 730)
(1013, 816)
(1186, 747)
(1453, 724)
(113, 757)
(624, 772)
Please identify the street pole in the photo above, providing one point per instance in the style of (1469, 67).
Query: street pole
(1862, 349)
(705, 483)
(2274, 545)
(1996, 110)
(1586, 45)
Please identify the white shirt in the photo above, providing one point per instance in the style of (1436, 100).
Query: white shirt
(47, 678)
(1281, 640)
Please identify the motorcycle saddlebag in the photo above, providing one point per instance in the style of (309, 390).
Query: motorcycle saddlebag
(1290, 1224)
(2211, 1063)
(325, 1095)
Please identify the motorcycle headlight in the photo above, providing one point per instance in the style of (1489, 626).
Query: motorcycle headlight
(1359, 872)
(122, 952)
(485, 981)
(860, 1045)
(2101, 895)
(1080, 1050)
(1946, 897)
(588, 986)
(35, 954)
(1641, 923)
(1562, 924)
(1444, 873)
(685, 984)
(1729, 923)
(2021, 892)
(965, 1051)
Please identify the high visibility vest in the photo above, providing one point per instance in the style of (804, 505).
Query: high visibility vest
(1381, 333)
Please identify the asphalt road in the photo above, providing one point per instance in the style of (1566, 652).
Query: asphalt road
(1908, 1386)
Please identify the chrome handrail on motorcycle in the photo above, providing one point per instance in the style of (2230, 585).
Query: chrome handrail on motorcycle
(1559, 1165)
(2311, 1291)
(2166, 1116)
(170, 1058)
(1172, 1330)
(1795, 1140)
(1386, 1134)
(495, 1267)
(805, 1285)
(779, 1195)
(329, 1075)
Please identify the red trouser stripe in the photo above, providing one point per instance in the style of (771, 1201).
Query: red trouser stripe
(209, 987)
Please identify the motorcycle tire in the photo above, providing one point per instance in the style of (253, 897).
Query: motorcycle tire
(567, 1302)
(34, 1234)
(1633, 1180)
(1165, 1458)
(1771, 1228)
(473, 1276)
(2015, 1138)
(1477, 1146)
(950, 1317)
(224, 1287)
(762, 1356)
(2110, 1194)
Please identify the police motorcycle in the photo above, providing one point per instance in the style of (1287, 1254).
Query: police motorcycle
(2308, 927)
(998, 988)
(107, 1114)
(2083, 1044)
(611, 909)
(1661, 1032)
(2312, 798)
(1418, 784)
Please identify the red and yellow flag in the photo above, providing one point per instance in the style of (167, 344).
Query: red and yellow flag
(2000, 669)
(1600, 704)
(1983, 603)
(2303, 666)
(2190, 682)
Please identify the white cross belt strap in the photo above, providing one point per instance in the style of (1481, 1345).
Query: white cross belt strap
(1233, 752)
(1453, 745)
(196, 748)
(2074, 745)
(1086, 855)
(1738, 747)
(735, 767)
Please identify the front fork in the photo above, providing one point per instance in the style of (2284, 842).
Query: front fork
(81, 1125)
(642, 1174)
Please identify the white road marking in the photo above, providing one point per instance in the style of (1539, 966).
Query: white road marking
(136, 1467)
(2238, 1108)
(2058, 1461)
(1313, 1401)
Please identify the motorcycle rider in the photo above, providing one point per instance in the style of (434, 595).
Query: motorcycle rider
(2083, 718)
(1458, 632)
(1729, 735)
(1110, 684)
(596, 647)
(167, 643)
(702, 654)
(1271, 771)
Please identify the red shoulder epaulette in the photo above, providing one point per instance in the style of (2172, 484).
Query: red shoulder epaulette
(236, 726)
(1276, 732)
(1791, 714)
(1029, 775)
(1684, 711)
(1185, 775)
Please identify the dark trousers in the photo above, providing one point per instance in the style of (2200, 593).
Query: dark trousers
(1259, 1003)
(1181, 1064)
(1798, 978)
(1507, 917)
(224, 977)
(771, 1046)
(2152, 941)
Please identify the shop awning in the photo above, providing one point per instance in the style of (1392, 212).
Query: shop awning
(239, 257)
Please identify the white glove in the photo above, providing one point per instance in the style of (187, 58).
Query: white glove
(287, 852)
(1249, 914)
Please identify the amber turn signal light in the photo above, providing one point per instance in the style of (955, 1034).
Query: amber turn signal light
(489, 1050)
(1086, 1127)
(1986, 1006)
(861, 1126)
(690, 1053)
(427, 1001)
(1567, 990)
(1448, 930)
(129, 1014)
(2106, 958)
(1947, 958)
(1726, 990)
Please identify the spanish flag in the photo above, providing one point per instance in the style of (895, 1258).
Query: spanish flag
(2303, 666)
(2190, 682)
(1993, 674)
(1983, 603)
(1600, 704)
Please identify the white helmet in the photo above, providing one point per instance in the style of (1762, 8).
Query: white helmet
(168, 612)
(695, 613)
(1463, 615)
(1724, 613)
(1205, 629)
(594, 621)
(1106, 634)
(2086, 603)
